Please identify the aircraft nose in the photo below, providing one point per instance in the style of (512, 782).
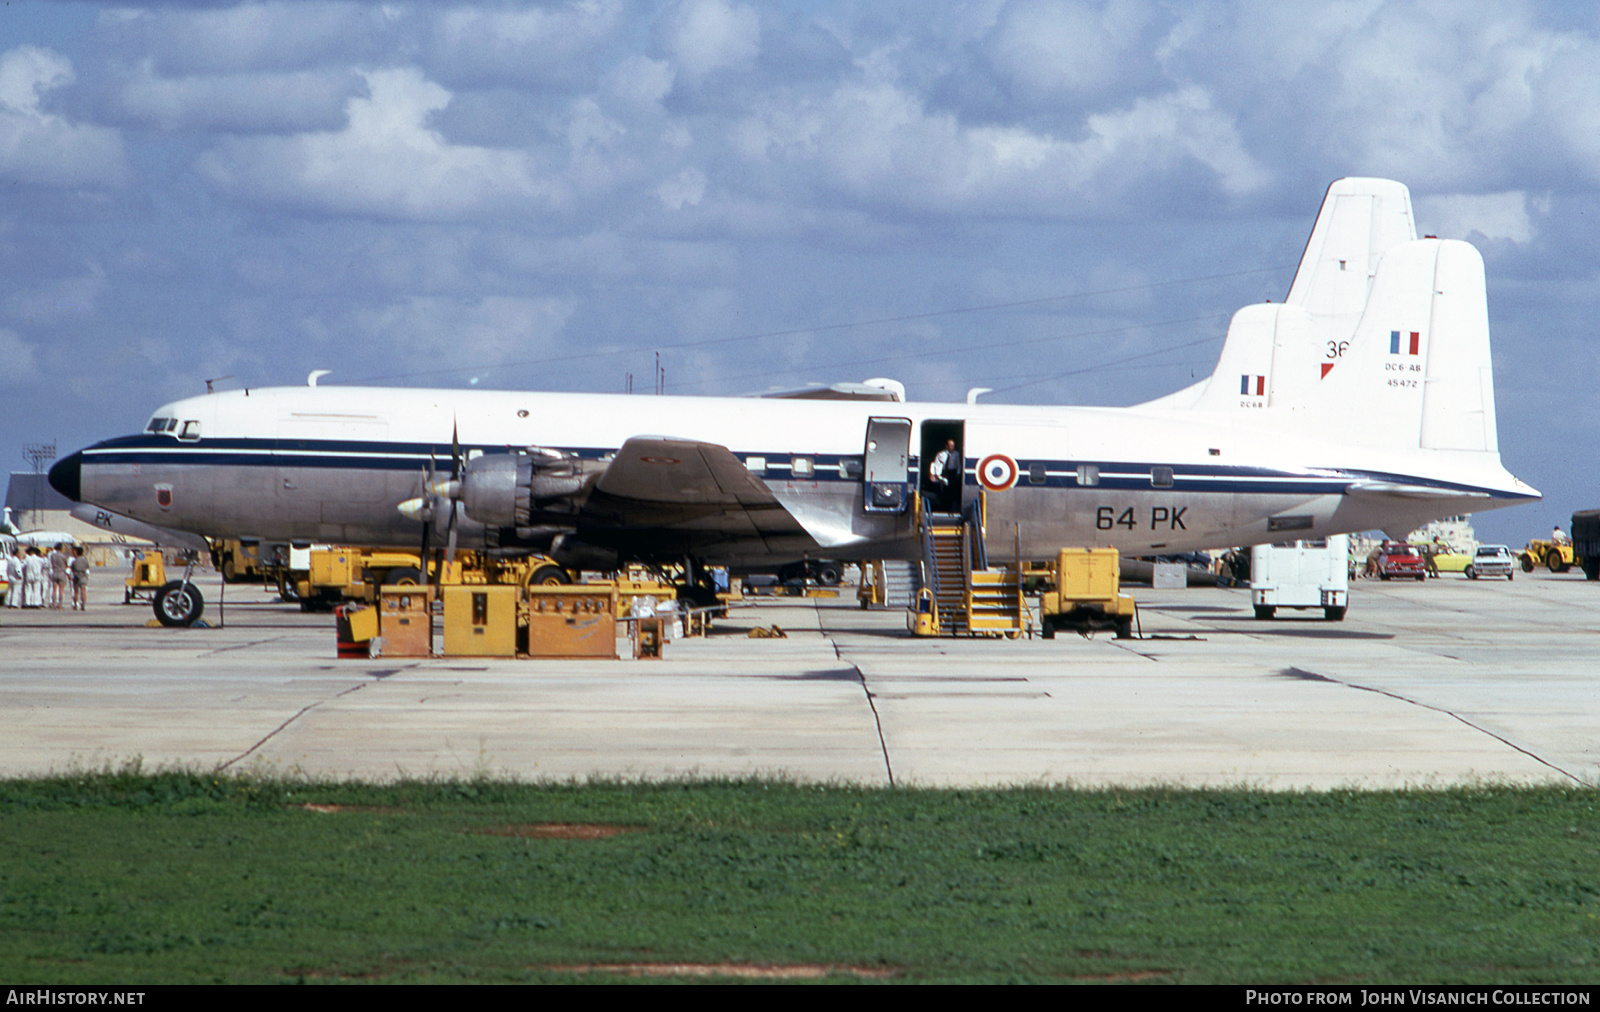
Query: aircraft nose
(66, 476)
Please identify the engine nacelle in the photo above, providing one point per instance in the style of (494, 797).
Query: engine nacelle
(507, 489)
(575, 553)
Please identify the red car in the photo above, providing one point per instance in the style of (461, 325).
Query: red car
(1395, 559)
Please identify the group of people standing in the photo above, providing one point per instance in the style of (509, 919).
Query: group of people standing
(54, 580)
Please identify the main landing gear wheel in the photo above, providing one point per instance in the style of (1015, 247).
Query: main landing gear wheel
(179, 604)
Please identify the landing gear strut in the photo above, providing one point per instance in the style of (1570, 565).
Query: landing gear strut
(179, 603)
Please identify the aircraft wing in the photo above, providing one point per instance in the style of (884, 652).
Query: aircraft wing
(698, 489)
(121, 526)
(872, 390)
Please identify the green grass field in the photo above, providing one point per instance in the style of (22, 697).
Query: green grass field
(122, 877)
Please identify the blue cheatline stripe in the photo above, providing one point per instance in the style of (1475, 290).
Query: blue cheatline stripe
(383, 456)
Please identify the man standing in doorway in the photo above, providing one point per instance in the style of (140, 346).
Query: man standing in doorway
(945, 473)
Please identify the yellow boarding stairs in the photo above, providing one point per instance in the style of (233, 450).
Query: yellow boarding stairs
(961, 595)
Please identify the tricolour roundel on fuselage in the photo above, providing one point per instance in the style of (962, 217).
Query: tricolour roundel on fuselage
(997, 472)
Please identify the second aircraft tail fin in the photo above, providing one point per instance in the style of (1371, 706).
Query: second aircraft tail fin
(1276, 353)
(1383, 340)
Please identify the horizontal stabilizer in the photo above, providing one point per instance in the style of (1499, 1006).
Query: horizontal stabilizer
(1395, 490)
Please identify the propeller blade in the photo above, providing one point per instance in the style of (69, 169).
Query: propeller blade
(450, 537)
(426, 512)
(455, 451)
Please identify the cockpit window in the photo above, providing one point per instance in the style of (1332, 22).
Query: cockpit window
(161, 425)
(191, 429)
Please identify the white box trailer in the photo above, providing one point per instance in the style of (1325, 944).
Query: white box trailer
(1301, 574)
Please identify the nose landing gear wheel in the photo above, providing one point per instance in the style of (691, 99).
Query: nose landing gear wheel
(179, 604)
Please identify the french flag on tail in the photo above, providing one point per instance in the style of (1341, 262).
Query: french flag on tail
(1256, 385)
(1398, 343)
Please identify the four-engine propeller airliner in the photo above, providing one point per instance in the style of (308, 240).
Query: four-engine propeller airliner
(1363, 401)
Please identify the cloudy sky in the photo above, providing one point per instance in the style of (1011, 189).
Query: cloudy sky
(1064, 201)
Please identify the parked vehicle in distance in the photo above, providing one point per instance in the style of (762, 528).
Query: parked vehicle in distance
(1301, 574)
(1492, 560)
(1546, 553)
(1452, 562)
(1396, 559)
(1586, 541)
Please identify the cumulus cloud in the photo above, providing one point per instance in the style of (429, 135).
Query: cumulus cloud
(640, 81)
(531, 43)
(386, 162)
(268, 102)
(1053, 50)
(880, 140)
(1460, 97)
(432, 330)
(685, 187)
(246, 37)
(1562, 100)
(39, 147)
(18, 355)
(1490, 215)
(60, 298)
(709, 35)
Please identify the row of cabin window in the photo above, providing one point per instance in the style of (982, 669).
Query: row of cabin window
(1088, 474)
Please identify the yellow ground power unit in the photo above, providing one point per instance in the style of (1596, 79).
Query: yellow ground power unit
(149, 576)
(579, 620)
(1087, 595)
(405, 620)
(480, 621)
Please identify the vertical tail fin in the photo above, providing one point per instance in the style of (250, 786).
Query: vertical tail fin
(1276, 354)
(1413, 374)
(1383, 340)
(1360, 221)
(1416, 374)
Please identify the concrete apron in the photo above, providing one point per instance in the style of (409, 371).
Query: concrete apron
(1436, 684)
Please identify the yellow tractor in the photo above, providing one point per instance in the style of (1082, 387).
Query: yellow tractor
(1554, 557)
